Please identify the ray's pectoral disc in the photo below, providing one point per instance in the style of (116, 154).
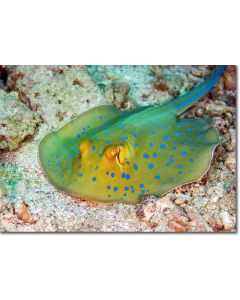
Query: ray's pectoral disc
(124, 162)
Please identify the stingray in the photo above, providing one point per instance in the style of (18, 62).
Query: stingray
(108, 155)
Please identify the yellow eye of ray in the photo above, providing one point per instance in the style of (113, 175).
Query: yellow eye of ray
(122, 155)
(111, 152)
(114, 152)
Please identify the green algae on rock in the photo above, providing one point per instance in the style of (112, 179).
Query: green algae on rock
(17, 121)
(109, 156)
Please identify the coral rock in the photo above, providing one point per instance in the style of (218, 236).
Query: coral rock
(227, 221)
(230, 80)
(56, 92)
(24, 214)
(17, 121)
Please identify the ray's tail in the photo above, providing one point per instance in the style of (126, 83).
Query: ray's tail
(183, 102)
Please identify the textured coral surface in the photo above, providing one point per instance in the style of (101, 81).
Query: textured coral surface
(37, 99)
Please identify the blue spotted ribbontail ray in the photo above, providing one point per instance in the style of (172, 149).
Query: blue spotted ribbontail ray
(108, 155)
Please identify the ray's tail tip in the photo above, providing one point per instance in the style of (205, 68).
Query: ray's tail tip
(220, 69)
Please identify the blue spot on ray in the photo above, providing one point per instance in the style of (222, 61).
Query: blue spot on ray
(135, 166)
(166, 137)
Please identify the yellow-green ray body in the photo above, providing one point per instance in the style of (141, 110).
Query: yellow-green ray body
(108, 155)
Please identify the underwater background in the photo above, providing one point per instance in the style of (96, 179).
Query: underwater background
(37, 99)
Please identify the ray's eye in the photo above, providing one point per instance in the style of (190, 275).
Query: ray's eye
(116, 153)
(122, 156)
(111, 152)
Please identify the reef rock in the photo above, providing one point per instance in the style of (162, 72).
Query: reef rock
(58, 93)
(17, 121)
